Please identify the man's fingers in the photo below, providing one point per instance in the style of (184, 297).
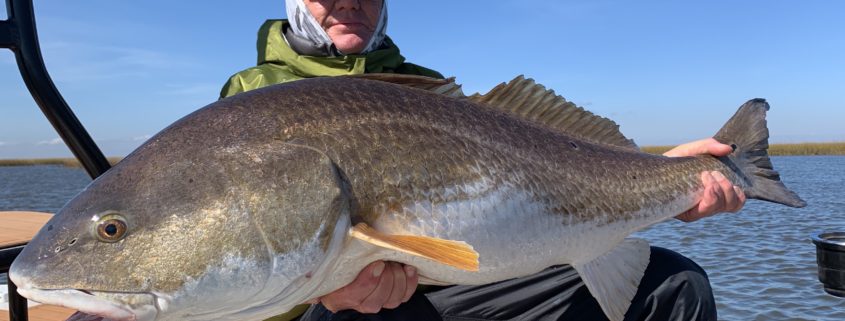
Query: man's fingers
(713, 199)
(689, 215)
(734, 199)
(353, 294)
(712, 194)
(733, 196)
(730, 197)
(375, 301)
(399, 284)
(379, 285)
(716, 148)
(700, 147)
(720, 195)
(709, 200)
(412, 280)
(740, 195)
(689, 149)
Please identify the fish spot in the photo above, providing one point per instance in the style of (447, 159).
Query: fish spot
(191, 180)
(58, 249)
(573, 144)
(634, 177)
(308, 274)
(50, 227)
(72, 242)
(733, 147)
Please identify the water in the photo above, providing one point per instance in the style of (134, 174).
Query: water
(39, 188)
(761, 262)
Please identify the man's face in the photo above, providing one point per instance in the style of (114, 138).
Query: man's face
(349, 23)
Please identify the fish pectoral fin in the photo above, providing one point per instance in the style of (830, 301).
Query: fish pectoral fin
(613, 277)
(452, 253)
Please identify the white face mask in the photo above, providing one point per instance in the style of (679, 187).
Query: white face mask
(304, 25)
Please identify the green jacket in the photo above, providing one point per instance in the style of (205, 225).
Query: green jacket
(278, 63)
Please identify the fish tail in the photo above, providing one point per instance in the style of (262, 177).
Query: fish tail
(747, 133)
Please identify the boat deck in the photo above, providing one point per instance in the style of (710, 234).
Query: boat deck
(18, 228)
(43, 313)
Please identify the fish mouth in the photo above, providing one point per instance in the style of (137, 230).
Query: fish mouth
(141, 306)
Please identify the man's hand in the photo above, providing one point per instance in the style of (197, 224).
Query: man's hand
(379, 285)
(720, 195)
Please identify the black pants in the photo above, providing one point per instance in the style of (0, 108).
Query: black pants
(673, 288)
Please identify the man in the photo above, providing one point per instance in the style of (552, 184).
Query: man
(341, 37)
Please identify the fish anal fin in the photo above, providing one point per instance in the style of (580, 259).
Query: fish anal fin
(524, 98)
(452, 253)
(613, 277)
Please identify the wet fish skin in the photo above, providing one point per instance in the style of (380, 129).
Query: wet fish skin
(243, 208)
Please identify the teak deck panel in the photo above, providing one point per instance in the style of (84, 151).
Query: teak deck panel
(43, 313)
(18, 227)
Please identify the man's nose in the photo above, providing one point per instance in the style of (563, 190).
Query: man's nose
(348, 4)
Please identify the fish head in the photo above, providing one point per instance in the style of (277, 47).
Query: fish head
(180, 234)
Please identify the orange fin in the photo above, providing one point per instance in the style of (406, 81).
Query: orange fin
(452, 253)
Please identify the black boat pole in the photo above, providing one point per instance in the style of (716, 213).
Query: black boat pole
(18, 33)
(17, 304)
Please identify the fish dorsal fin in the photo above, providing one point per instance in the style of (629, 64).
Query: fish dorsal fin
(529, 100)
(446, 87)
(613, 277)
(453, 253)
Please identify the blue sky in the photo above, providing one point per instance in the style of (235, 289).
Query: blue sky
(666, 71)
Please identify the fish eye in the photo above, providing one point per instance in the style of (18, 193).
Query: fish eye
(111, 228)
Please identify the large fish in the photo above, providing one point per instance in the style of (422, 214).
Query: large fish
(262, 201)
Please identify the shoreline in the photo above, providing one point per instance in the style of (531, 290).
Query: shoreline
(797, 149)
(62, 161)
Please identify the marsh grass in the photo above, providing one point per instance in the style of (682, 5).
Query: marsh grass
(837, 148)
(68, 162)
